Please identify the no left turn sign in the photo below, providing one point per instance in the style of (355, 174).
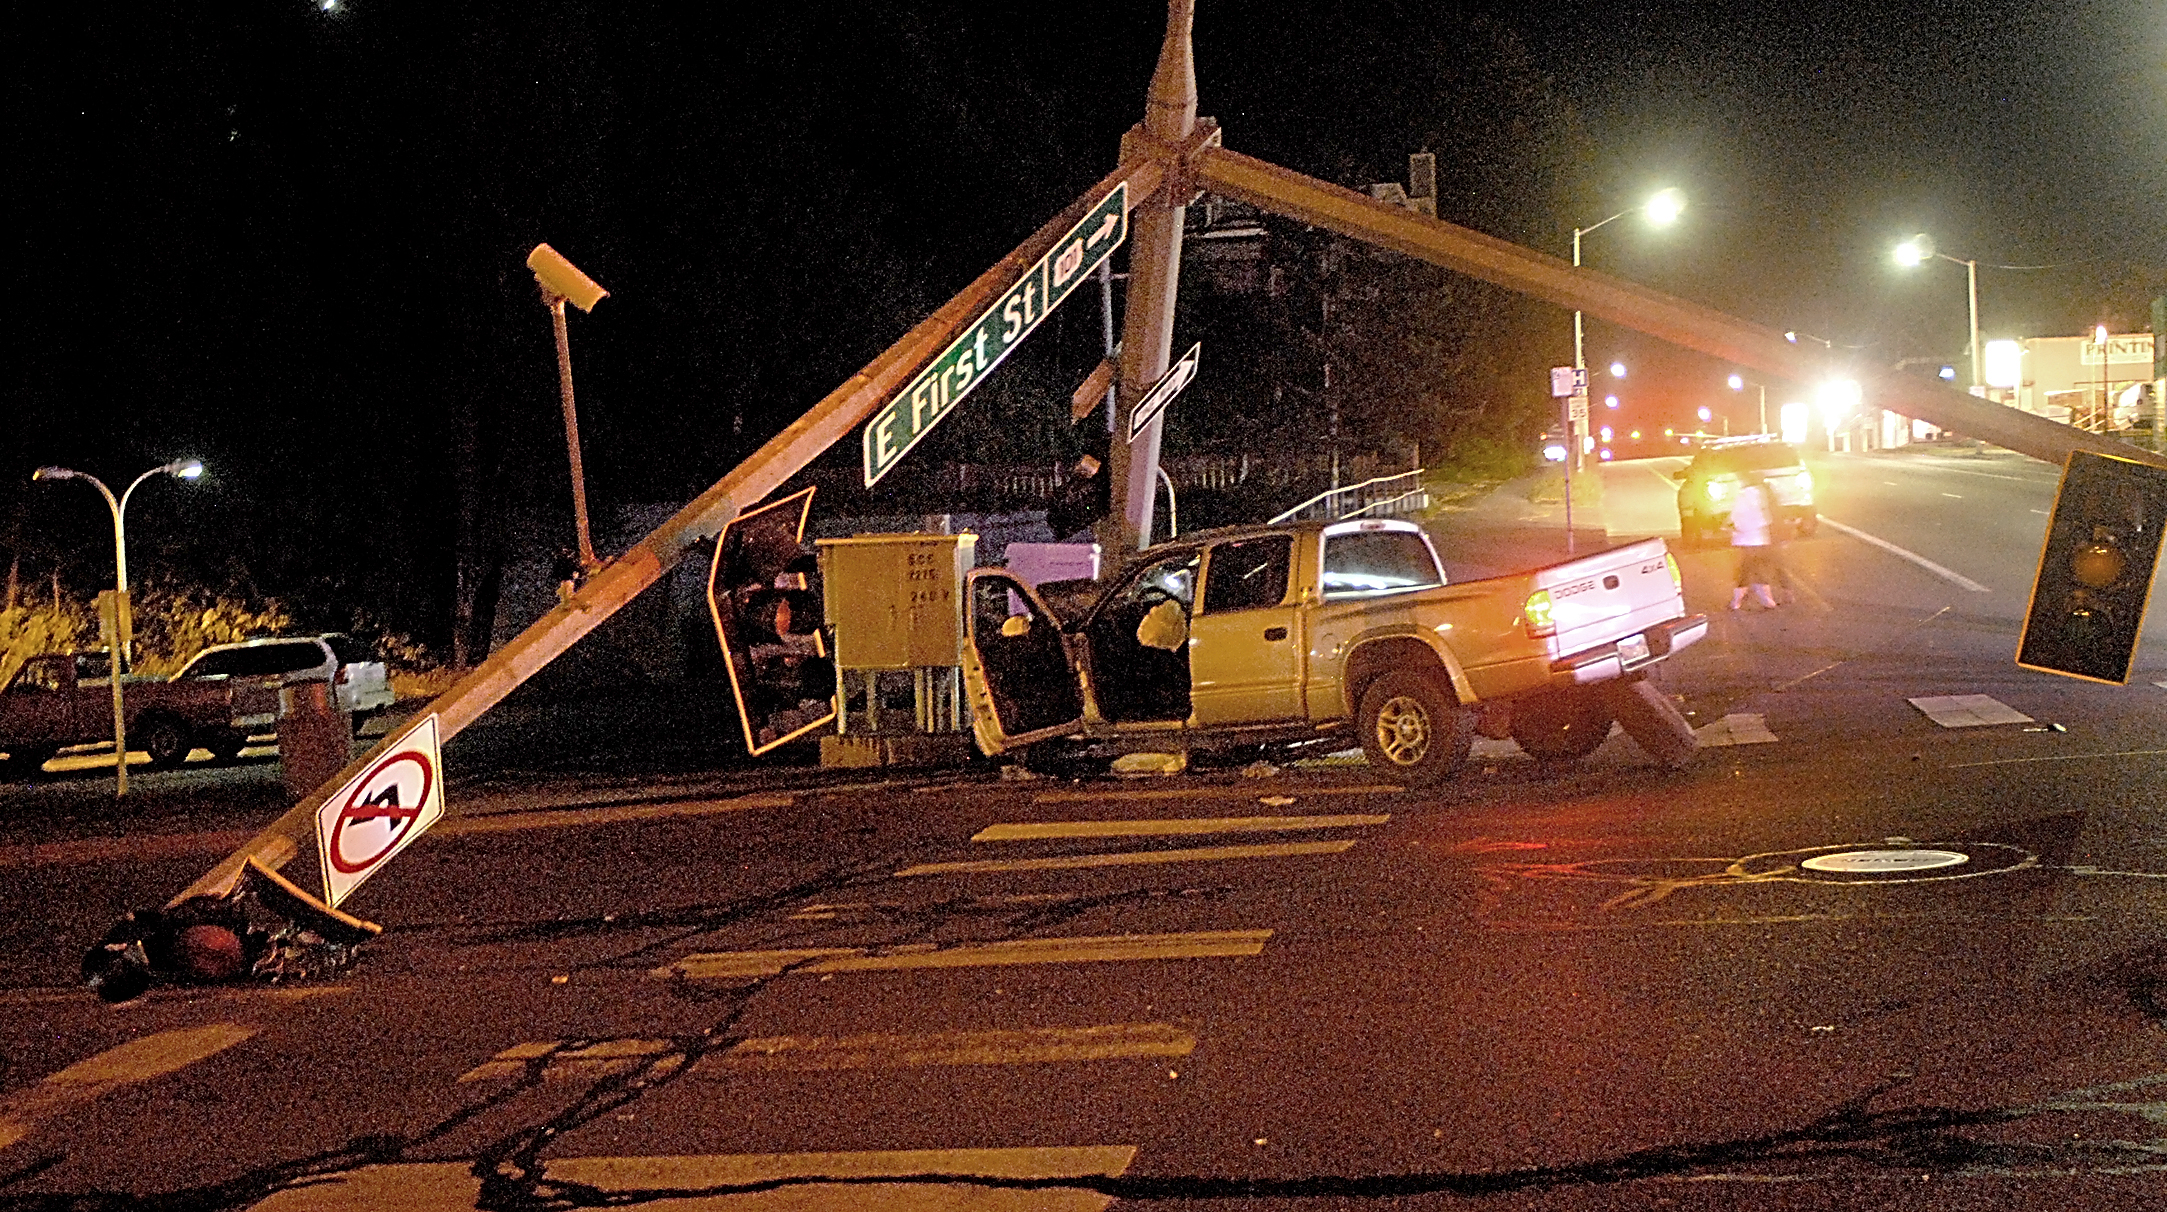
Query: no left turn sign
(380, 812)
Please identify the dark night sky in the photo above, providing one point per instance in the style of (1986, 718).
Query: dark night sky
(289, 241)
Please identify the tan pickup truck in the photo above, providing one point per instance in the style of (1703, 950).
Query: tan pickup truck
(1306, 631)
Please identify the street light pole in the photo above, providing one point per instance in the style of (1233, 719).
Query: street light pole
(1738, 383)
(117, 656)
(562, 282)
(1920, 248)
(1660, 209)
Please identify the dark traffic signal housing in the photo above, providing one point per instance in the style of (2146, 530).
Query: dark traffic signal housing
(2095, 569)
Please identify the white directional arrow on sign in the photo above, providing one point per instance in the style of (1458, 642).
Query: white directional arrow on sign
(1162, 393)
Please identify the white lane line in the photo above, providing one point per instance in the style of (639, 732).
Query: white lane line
(747, 1182)
(2060, 757)
(1202, 944)
(1201, 793)
(1948, 574)
(1954, 496)
(1968, 710)
(1131, 858)
(1738, 728)
(132, 1062)
(1171, 828)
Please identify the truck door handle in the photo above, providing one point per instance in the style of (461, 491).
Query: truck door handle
(1275, 633)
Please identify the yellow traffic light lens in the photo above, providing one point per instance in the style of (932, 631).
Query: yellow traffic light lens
(2097, 564)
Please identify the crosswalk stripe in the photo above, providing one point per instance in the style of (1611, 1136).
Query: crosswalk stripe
(831, 1053)
(1738, 728)
(135, 1061)
(1203, 944)
(1170, 828)
(817, 1053)
(716, 1182)
(1199, 793)
(1130, 858)
(1968, 710)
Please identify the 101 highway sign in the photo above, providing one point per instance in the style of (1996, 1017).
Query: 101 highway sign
(902, 422)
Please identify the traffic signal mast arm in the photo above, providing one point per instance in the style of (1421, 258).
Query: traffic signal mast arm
(623, 578)
(1690, 325)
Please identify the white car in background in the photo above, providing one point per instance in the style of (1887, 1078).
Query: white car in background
(359, 684)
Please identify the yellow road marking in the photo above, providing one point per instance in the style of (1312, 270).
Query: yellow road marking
(604, 1059)
(815, 1053)
(1131, 858)
(1199, 793)
(1203, 944)
(132, 1062)
(1167, 828)
(828, 1053)
(808, 1180)
(170, 845)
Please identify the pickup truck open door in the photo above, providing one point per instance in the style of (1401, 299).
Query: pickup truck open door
(1016, 666)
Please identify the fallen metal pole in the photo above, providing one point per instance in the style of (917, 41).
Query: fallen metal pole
(1689, 325)
(620, 580)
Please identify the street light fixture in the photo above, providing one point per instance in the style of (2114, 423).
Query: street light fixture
(117, 662)
(1920, 249)
(1661, 210)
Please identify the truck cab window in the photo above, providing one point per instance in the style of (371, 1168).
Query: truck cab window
(1368, 563)
(1248, 574)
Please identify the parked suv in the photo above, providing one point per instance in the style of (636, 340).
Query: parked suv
(360, 684)
(1711, 481)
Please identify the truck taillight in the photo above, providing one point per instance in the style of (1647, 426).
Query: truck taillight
(1539, 620)
(1677, 579)
(346, 674)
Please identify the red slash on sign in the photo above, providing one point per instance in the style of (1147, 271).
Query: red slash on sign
(372, 823)
(380, 812)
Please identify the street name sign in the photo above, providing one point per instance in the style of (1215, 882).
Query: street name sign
(380, 812)
(1162, 393)
(903, 421)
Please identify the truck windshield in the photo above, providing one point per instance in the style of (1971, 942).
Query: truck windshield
(1368, 563)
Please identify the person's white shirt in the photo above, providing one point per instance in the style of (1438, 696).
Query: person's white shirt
(1749, 517)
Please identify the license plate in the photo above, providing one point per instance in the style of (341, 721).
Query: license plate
(1633, 649)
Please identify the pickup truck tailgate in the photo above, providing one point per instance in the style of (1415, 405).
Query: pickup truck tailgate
(1605, 597)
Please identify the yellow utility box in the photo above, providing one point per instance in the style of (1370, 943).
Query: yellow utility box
(896, 600)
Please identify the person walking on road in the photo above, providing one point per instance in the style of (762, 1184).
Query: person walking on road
(1753, 529)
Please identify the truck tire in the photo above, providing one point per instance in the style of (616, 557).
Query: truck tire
(1690, 533)
(165, 739)
(1653, 721)
(1414, 730)
(1561, 725)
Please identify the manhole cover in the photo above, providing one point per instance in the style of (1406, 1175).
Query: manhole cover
(1867, 862)
(1902, 863)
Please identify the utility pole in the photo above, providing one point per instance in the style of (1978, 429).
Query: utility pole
(1147, 338)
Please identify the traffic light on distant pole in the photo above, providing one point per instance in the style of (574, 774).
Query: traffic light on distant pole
(2095, 569)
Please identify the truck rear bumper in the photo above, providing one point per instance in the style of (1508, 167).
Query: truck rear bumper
(1608, 662)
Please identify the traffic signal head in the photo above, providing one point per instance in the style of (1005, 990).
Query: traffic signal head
(2095, 570)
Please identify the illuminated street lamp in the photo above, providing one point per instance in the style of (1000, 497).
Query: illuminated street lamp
(1920, 249)
(179, 469)
(1662, 210)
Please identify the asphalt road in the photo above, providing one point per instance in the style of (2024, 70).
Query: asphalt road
(1592, 987)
